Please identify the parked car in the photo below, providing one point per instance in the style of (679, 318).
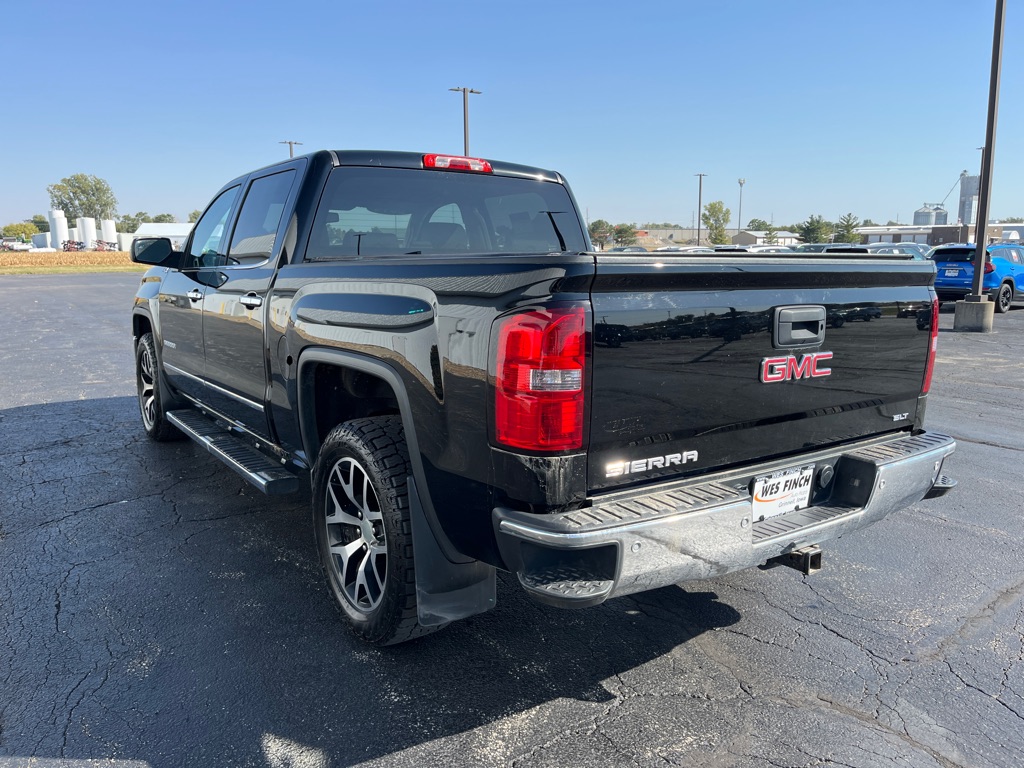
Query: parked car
(686, 249)
(1004, 272)
(867, 314)
(840, 315)
(753, 249)
(914, 250)
(817, 247)
(917, 250)
(628, 249)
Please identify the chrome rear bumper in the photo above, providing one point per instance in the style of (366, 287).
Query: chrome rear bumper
(701, 528)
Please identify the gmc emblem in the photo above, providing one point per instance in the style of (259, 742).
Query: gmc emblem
(789, 368)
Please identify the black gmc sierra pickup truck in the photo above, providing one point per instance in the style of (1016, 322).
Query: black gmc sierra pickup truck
(429, 341)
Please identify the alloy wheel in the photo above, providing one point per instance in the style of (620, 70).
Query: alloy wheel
(355, 535)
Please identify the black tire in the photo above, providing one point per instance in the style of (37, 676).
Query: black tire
(838, 322)
(1004, 298)
(363, 528)
(152, 398)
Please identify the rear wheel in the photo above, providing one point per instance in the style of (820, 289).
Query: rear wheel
(364, 531)
(1004, 298)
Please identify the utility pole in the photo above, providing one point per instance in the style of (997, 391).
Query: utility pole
(975, 312)
(291, 146)
(739, 216)
(465, 116)
(700, 201)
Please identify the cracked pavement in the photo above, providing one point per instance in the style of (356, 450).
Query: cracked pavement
(157, 611)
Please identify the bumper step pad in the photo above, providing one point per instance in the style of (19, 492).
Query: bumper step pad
(566, 586)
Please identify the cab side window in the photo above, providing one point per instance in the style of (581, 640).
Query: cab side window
(256, 230)
(208, 246)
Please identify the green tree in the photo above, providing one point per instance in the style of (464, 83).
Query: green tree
(600, 231)
(868, 223)
(20, 230)
(758, 225)
(625, 234)
(814, 230)
(81, 195)
(771, 235)
(40, 222)
(164, 218)
(845, 227)
(194, 216)
(126, 222)
(1013, 220)
(715, 218)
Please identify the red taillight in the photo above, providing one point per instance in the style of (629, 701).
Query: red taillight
(454, 163)
(539, 379)
(989, 267)
(933, 346)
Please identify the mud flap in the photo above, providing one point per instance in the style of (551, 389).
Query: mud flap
(445, 591)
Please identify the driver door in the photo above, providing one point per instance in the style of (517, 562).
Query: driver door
(182, 350)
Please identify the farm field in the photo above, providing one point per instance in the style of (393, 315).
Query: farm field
(65, 262)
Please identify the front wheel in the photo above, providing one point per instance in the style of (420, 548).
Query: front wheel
(1004, 298)
(364, 531)
(152, 398)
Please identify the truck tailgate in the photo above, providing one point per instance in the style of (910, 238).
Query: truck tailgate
(690, 373)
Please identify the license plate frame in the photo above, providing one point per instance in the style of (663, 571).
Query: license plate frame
(785, 490)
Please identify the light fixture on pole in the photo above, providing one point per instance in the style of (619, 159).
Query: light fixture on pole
(700, 201)
(291, 146)
(739, 216)
(465, 116)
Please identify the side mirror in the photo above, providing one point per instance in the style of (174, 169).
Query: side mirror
(156, 251)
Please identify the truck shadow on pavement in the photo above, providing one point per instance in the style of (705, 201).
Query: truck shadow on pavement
(159, 609)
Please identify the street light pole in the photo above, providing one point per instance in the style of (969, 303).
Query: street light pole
(970, 319)
(700, 200)
(739, 216)
(465, 116)
(291, 146)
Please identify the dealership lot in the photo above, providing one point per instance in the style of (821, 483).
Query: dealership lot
(155, 610)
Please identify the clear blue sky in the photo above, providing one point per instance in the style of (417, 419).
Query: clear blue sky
(824, 107)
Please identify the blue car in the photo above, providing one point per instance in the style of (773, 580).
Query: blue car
(1004, 273)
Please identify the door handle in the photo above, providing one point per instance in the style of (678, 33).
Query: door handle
(251, 300)
(194, 295)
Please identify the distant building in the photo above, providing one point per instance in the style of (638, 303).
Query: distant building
(674, 236)
(177, 232)
(928, 214)
(968, 209)
(899, 233)
(759, 237)
(938, 234)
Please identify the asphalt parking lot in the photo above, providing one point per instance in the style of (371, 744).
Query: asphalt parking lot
(157, 611)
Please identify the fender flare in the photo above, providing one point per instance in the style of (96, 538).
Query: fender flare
(449, 586)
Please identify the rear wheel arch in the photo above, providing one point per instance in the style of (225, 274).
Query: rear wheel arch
(334, 388)
(339, 364)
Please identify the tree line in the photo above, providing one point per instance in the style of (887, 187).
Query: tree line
(84, 196)
(715, 220)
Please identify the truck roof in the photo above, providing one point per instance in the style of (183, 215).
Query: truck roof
(414, 160)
